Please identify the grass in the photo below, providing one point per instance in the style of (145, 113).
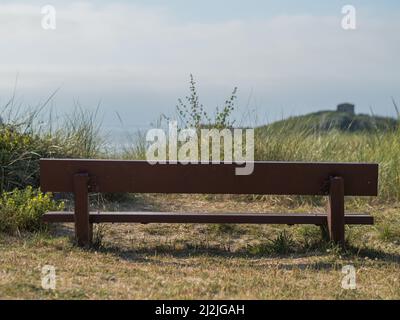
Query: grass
(201, 262)
(381, 147)
(26, 139)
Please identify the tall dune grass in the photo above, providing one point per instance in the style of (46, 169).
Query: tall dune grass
(25, 138)
(377, 147)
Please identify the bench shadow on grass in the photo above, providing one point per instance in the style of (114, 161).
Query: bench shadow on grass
(269, 250)
(372, 254)
(153, 253)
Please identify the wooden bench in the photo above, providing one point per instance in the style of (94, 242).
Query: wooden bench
(335, 180)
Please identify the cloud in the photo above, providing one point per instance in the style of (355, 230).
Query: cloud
(123, 49)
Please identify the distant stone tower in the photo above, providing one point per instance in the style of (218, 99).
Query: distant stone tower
(346, 107)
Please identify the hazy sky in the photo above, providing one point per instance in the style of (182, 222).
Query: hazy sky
(286, 57)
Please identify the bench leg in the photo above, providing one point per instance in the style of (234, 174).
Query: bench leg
(83, 229)
(336, 210)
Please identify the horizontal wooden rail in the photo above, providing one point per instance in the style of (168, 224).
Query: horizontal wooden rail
(242, 218)
(278, 178)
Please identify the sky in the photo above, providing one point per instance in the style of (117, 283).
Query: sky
(134, 57)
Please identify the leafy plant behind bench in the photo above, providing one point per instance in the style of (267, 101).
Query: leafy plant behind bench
(192, 113)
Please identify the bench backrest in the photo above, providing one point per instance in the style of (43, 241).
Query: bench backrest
(275, 178)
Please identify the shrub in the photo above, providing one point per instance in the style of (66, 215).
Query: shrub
(22, 144)
(19, 158)
(192, 113)
(21, 210)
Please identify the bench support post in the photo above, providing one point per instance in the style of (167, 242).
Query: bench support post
(83, 229)
(336, 210)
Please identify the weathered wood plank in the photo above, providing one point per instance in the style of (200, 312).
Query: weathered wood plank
(336, 210)
(241, 218)
(280, 178)
(83, 227)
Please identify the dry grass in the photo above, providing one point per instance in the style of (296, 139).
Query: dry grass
(205, 261)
